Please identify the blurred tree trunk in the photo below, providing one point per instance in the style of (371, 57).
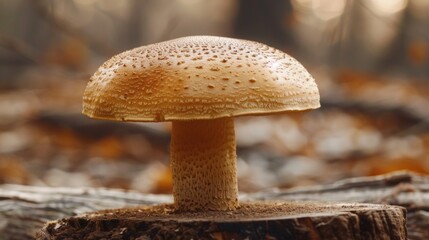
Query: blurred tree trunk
(396, 55)
(344, 52)
(409, 52)
(265, 21)
(132, 28)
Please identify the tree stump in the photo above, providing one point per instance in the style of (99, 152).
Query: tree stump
(24, 210)
(252, 220)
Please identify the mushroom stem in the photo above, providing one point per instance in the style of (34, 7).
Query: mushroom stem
(203, 163)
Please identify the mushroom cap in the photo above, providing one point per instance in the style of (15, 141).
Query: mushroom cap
(198, 77)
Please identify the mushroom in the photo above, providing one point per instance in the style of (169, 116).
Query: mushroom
(200, 83)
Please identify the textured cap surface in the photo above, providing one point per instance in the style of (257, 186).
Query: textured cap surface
(199, 77)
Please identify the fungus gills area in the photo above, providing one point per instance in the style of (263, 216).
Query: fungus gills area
(203, 162)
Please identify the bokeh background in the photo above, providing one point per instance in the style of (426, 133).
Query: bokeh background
(370, 59)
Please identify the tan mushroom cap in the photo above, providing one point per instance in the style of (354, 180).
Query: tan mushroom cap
(198, 77)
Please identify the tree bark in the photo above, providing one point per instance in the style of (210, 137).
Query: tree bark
(24, 210)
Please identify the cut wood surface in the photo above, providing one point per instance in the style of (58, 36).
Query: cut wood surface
(297, 220)
(25, 209)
